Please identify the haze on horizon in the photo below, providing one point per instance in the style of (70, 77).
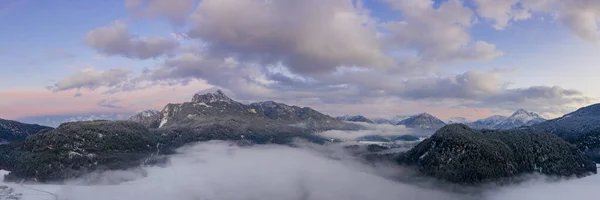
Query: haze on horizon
(451, 58)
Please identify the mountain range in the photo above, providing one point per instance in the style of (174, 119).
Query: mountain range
(56, 120)
(519, 118)
(76, 148)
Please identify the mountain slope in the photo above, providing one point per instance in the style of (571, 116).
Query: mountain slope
(581, 128)
(574, 124)
(457, 153)
(11, 131)
(149, 118)
(355, 118)
(423, 121)
(520, 118)
(488, 123)
(77, 148)
(381, 120)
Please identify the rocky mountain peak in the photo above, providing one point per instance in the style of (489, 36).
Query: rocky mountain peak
(525, 116)
(208, 98)
(423, 120)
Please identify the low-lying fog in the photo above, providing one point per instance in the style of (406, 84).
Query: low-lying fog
(218, 170)
(374, 129)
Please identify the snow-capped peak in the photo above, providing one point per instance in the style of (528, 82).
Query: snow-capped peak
(524, 116)
(217, 96)
(149, 113)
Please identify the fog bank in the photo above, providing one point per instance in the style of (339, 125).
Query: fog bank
(217, 170)
(373, 129)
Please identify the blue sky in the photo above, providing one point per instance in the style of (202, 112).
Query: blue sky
(43, 43)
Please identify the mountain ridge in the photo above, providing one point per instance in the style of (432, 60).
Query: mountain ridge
(12, 131)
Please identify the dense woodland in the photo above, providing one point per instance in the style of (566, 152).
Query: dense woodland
(457, 153)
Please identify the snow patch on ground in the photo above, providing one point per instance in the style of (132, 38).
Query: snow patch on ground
(163, 122)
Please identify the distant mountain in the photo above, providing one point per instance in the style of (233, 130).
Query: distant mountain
(488, 123)
(11, 131)
(457, 120)
(423, 121)
(56, 120)
(393, 120)
(398, 118)
(518, 119)
(149, 118)
(381, 120)
(459, 154)
(355, 118)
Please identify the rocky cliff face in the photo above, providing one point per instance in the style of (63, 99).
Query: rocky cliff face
(149, 118)
(457, 153)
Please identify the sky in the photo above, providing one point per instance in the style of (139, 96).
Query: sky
(379, 58)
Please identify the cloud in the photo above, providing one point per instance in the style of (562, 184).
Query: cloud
(91, 79)
(333, 53)
(483, 89)
(469, 85)
(309, 36)
(581, 16)
(176, 11)
(25, 102)
(109, 103)
(371, 129)
(437, 34)
(502, 12)
(551, 99)
(116, 40)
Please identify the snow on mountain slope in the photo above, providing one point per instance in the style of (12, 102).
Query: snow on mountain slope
(520, 118)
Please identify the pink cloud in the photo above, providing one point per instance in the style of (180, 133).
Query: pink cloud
(36, 101)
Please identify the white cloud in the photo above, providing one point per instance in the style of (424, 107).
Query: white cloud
(308, 36)
(371, 129)
(116, 40)
(501, 11)
(438, 34)
(581, 16)
(91, 78)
